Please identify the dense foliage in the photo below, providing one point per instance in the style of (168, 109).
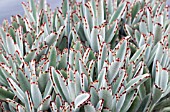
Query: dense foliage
(88, 56)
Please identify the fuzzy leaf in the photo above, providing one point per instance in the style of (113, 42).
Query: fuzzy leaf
(16, 89)
(81, 99)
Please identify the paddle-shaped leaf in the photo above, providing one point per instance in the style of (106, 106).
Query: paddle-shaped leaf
(16, 89)
(81, 99)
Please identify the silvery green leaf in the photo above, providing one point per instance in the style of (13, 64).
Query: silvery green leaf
(32, 65)
(93, 5)
(27, 47)
(102, 56)
(106, 95)
(111, 32)
(91, 68)
(90, 15)
(7, 72)
(147, 54)
(45, 65)
(149, 20)
(16, 89)
(3, 78)
(3, 38)
(63, 62)
(106, 110)
(139, 69)
(33, 8)
(78, 84)
(23, 80)
(99, 105)
(45, 103)
(100, 12)
(138, 16)
(59, 84)
(120, 102)
(20, 20)
(28, 12)
(157, 93)
(51, 38)
(84, 82)
(27, 69)
(94, 96)
(81, 99)
(52, 56)
(161, 76)
(77, 45)
(53, 107)
(128, 30)
(60, 35)
(167, 29)
(94, 39)
(41, 52)
(138, 54)
(71, 57)
(162, 104)
(109, 6)
(30, 55)
(71, 87)
(86, 30)
(12, 33)
(5, 93)
(28, 102)
(3, 59)
(144, 104)
(115, 65)
(20, 108)
(165, 60)
(46, 25)
(160, 8)
(82, 67)
(136, 81)
(86, 55)
(102, 78)
(58, 101)
(61, 18)
(63, 44)
(119, 80)
(89, 108)
(36, 94)
(122, 47)
(10, 44)
(158, 57)
(43, 79)
(166, 109)
(48, 89)
(143, 27)
(42, 5)
(130, 70)
(118, 12)
(13, 103)
(5, 106)
(157, 31)
(153, 52)
(130, 97)
(135, 9)
(167, 91)
(142, 90)
(137, 36)
(65, 7)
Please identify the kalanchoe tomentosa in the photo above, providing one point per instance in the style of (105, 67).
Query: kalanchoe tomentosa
(89, 56)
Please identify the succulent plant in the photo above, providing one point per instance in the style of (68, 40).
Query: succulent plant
(89, 56)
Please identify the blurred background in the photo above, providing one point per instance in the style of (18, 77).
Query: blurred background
(13, 7)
